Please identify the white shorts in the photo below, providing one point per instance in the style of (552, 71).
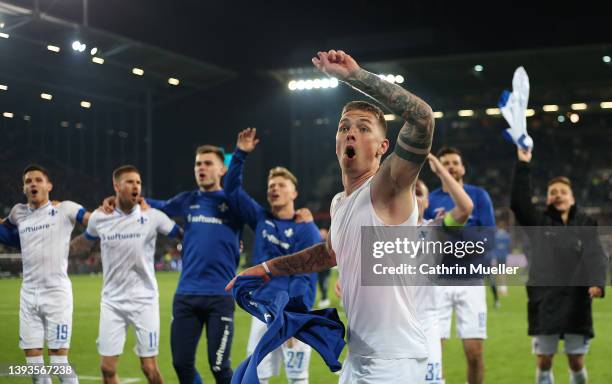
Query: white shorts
(364, 370)
(573, 345)
(470, 306)
(45, 314)
(296, 358)
(114, 321)
(433, 374)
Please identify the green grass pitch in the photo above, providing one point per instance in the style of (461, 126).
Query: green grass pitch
(508, 356)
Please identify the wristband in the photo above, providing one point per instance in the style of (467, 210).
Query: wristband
(266, 268)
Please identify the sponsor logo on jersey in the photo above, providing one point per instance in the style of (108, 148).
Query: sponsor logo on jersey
(120, 236)
(270, 223)
(274, 240)
(195, 206)
(142, 220)
(289, 232)
(34, 228)
(52, 212)
(223, 207)
(204, 219)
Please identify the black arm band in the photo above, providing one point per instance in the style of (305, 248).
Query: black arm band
(409, 156)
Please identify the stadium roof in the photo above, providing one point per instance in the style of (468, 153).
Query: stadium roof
(28, 67)
(557, 76)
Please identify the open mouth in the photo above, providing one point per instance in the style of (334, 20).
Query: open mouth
(134, 195)
(350, 152)
(201, 176)
(34, 192)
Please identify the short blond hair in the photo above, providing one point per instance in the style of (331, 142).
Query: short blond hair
(283, 172)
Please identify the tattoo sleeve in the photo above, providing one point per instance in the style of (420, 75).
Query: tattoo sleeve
(314, 259)
(414, 139)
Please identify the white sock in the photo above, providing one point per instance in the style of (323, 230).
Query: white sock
(578, 377)
(38, 379)
(544, 377)
(69, 378)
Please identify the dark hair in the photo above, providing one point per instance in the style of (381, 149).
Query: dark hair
(124, 169)
(368, 107)
(211, 149)
(447, 151)
(36, 167)
(560, 179)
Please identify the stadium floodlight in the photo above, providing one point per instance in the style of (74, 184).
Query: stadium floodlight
(97, 60)
(292, 85)
(4, 35)
(389, 117)
(137, 71)
(93, 51)
(390, 78)
(173, 81)
(64, 124)
(308, 84)
(478, 68)
(438, 115)
(574, 118)
(561, 118)
(606, 59)
(46, 96)
(82, 47)
(85, 104)
(1, 25)
(3, 87)
(465, 113)
(53, 48)
(529, 112)
(550, 108)
(399, 79)
(78, 125)
(493, 111)
(300, 85)
(316, 83)
(8, 115)
(27, 118)
(606, 105)
(579, 106)
(76, 45)
(333, 83)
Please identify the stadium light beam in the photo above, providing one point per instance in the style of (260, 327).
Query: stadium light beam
(1, 25)
(493, 111)
(85, 104)
(8, 115)
(46, 96)
(561, 118)
(173, 81)
(466, 112)
(529, 112)
(4, 35)
(579, 106)
(438, 115)
(399, 79)
(606, 105)
(53, 48)
(389, 117)
(3, 87)
(93, 51)
(292, 85)
(574, 118)
(76, 45)
(550, 108)
(137, 71)
(606, 59)
(97, 60)
(478, 68)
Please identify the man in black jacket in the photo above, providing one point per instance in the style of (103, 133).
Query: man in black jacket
(559, 310)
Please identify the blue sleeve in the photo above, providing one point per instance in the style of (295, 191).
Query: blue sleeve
(247, 209)
(9, 236)
(172, 207)
(308, 237)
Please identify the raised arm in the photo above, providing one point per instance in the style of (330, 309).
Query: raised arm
(520, 201)
(239, 201)
(463, 204)
(393, 185)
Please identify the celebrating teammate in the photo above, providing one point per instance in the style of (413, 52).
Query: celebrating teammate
(556, 312)
(45, 307)
(129, 294)
(276, 234)
(468, 301)
(386, 341)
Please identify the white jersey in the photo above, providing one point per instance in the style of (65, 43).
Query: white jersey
(382, 320)
(44, 234)
(127, 242)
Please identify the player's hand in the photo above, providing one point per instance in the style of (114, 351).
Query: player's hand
(435, 164)
(257, 270)
(523, 155)
(595, 292)
(303, 215)
(338, 289)
(246, 140)
(336, 64)
(108, 205)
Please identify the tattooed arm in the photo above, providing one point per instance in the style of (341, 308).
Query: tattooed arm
(393, 185)
(317, 258)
